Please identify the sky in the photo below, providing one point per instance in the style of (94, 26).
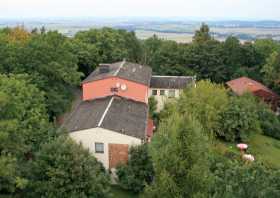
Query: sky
(201, 9)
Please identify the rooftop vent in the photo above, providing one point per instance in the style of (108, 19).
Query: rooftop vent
(104, 68)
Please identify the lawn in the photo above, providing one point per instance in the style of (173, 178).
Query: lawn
(120, 193)
(264, 149)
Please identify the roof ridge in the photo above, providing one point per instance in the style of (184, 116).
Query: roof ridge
(173, 76)
(118, 70)
(105, 112)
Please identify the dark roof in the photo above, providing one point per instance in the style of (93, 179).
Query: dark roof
(113, 113)
(86, 115)
(126, 70)
(171, 82)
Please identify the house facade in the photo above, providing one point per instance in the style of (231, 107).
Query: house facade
(114, 114)
(165, 88)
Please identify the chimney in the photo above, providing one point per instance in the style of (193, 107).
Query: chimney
(104, 68)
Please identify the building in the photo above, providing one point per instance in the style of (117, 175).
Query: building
(164, 88)
(113, 113)
(242, 85)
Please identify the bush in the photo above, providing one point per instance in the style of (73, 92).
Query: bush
(205, 102)
(270, 123)
(63, 168)
(138, 171)
(240, 118)
(179, 152)
(236, 179)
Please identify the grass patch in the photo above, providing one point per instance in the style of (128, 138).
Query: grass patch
(118, 192)
(267, 149)
(264, 148)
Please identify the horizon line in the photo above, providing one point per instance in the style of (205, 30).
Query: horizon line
(190, 18)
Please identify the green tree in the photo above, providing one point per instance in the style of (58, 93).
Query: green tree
(112, 45)
(203, 34)
(236, 179)
(269, 122)
(206, 60)
(179, 152)
(23, 118)
(139, 170)
(64, 168)
(50, 63)
(205, 102)
(240, 118)
(87, 54)
(165, 57)
(271, 70)
(23, 128)
(152, 106)
(11, 178)
(265, 47)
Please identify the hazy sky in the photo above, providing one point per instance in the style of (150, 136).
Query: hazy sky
(206, 9)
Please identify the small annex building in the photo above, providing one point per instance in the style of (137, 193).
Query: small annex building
(244, 84)
(113, 114)
(165, 88)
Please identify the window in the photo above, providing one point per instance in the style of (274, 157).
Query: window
(154, 92)
(162, 92)
(99, 147)
(171, 93)
(114, 89)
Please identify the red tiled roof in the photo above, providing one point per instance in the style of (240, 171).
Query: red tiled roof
(244, 84)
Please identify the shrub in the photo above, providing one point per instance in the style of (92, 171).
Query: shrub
(138, 171)
(179, 151)
(63, 168)
(236, 179)
(239, 119)
(270, 123)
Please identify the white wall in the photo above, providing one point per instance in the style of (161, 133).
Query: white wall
(161, 100)
(90, 136)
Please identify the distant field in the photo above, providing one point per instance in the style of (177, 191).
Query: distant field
(218, 33)
(179, 30)
(178, 37)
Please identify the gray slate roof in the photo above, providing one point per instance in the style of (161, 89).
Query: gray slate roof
(171, 82)
(123, 116)
(126, 70)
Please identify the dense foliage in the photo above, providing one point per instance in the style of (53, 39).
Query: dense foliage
(240, 118)
(269, 123)
(179, 153)
(188, 164)
(215, 60)
(223, 115)
(109, 45)
(205, 102)
(235, 179)
(24, 127)
(139, 170)
(64, 168)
